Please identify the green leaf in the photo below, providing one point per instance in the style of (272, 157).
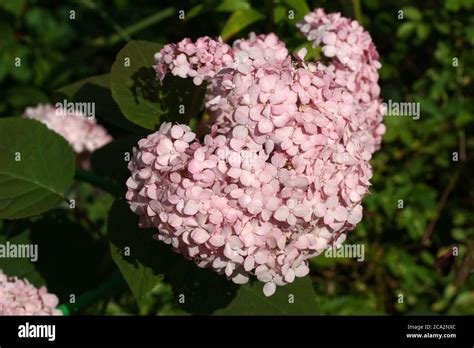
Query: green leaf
(25, 72)
(463, 304)
(144, 100)
(463, 118)
(151, 262)
(96, 89)
(423, 31)
(443, 52)
(297, 298)
(233, 5)
(406, 29)
(412, 13)
(453, 5)
(469, 31)
(414, 222)
(36, 168)
(14, 7)
(459, 234)
(238, 21)
(195, 11)
(21, 97)
(279, 14)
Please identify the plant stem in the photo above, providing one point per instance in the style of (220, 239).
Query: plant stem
(462, 146)
(109, 286)
(444, 198)
(82, 215)
(92, 6)
(143, 24)
(357, 11)
(466, 267)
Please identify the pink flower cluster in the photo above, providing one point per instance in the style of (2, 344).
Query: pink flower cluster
(355, 61)
(282, 174)
(200, 60)
(83, 133)
(19, 297)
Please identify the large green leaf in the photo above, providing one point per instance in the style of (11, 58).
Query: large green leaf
(36, 168)
(238, 21)
(96, 89)
(297, 298)
(146, 101)
(150, 262)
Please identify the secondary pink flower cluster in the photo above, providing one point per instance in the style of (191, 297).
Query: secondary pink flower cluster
(83, 133)
(355, 61)
(19, 297)
(282, 174)
(200, 60)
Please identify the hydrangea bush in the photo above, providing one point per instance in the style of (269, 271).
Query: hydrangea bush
(282, 173)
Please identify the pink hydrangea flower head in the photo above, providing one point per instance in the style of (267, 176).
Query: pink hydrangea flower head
(282, 173)
(19, 297)
(83, 133)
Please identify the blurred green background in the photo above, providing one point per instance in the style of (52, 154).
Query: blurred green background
(423, 250)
